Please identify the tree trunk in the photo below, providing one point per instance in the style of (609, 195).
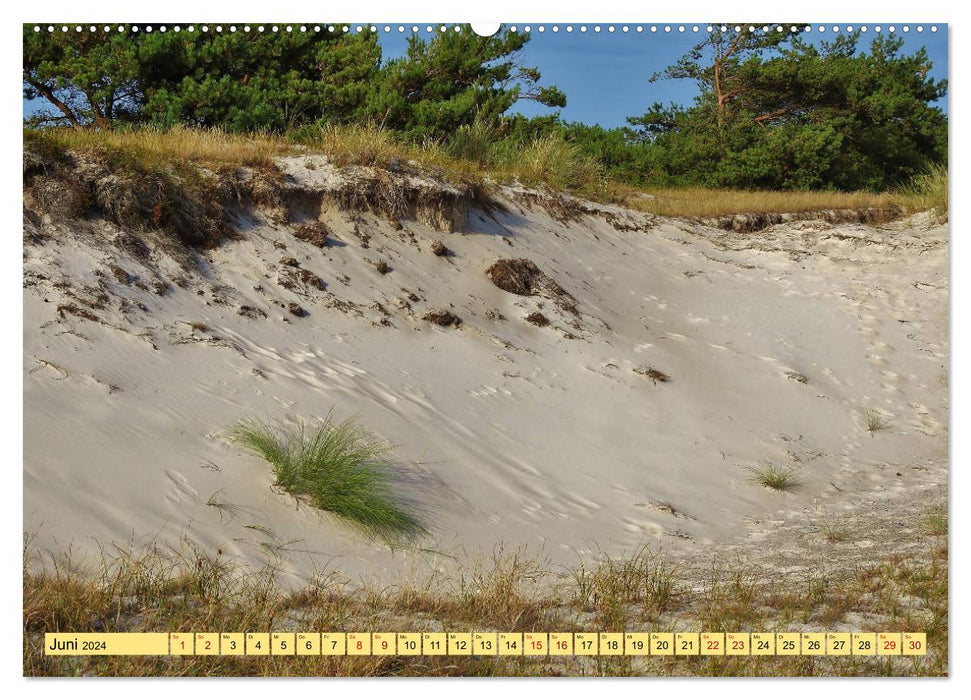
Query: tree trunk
(718, 93)
(101, 121)
(49, 95)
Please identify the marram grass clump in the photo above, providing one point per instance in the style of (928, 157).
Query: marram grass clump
(341, 466)
(774, 477)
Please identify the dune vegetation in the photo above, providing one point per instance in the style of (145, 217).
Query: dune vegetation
(547, 163)
(185, 588)
(341, 466)
(217, 147)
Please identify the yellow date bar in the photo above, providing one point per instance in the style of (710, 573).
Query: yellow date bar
(106, 644)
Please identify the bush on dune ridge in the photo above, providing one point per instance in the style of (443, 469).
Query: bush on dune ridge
(547, 161)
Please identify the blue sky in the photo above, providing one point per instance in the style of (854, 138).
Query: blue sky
(606, 75)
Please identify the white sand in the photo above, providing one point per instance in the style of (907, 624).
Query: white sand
(509, 433)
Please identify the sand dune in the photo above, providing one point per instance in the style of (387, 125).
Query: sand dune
(775, 344)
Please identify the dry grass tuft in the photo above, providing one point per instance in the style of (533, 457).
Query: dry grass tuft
(875, 420)
(929, 192)
(621, 590)
(185, 587)
(560, 165)
(696, 202)
(156, 147)
(368, 145)
(774, 477)
(473, 159)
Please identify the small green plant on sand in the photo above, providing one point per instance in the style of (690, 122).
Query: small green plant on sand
(341, 466)
(775, 477)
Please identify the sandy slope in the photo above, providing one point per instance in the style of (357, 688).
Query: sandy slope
(507, 432)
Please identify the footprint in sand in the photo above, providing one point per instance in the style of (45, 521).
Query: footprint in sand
(930, 426)
(584, 505)
(532, 508)
(348, 370)
(831, 376)
(850, 443)
(525, 467)
(483, 391)
(891, 380)
(286, 403)
(643, 526)
(415, 395)
(180, 488)
(875, 359)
